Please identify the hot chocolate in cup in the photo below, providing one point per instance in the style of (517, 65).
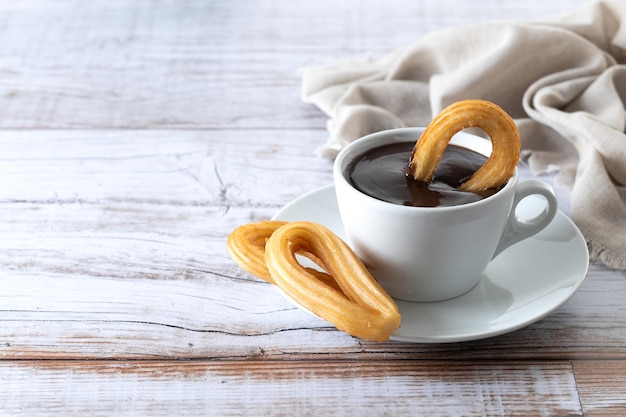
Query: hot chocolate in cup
(424, 254)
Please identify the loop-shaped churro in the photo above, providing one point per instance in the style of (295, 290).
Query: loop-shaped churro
(485, 115)
(360, 307)
(246, 246)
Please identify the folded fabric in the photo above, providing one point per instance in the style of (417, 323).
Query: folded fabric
(563, 80)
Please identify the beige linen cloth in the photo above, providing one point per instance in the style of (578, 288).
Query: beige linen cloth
(563, 80)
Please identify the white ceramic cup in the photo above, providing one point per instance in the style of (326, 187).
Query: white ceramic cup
(433, 253)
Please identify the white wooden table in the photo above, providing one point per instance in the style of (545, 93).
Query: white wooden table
(136, 135)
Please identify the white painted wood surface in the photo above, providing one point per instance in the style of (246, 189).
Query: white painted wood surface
(135, 135)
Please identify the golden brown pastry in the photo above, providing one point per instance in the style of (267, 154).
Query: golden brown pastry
(469, 113)
(246, 246)
(346, 294)
(361, 307)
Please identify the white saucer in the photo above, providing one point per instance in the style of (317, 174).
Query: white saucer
(522, 285)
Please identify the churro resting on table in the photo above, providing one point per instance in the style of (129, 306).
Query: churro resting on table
(246, 246)
(463, 114)
(346, 294)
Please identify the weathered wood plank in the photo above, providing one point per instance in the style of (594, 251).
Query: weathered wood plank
(145, 64)
(289, 388)
(602, 387)
(216, 168)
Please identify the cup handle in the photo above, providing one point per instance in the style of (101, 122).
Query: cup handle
(518, 228)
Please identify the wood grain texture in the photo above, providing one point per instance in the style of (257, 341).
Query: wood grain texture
(602, 387)
(291, 388)
(136, 135)
(216, 169)
(147, 64)
(115, 248)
